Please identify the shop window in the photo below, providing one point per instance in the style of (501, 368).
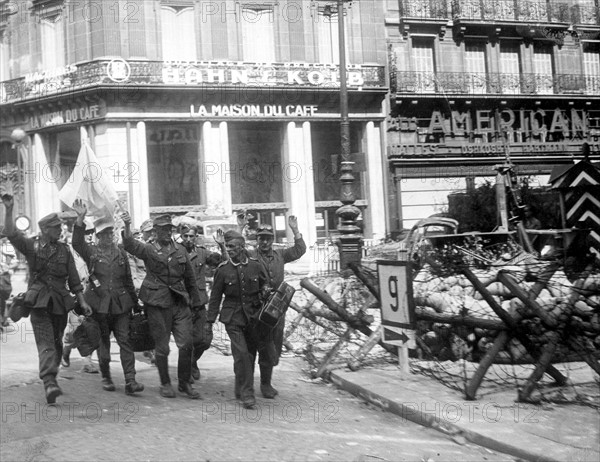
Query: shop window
(326, 160)
(423, 64)
(542, 68)
(62, 149)
(258, 33)
(591, 68)
(475, 68)
(510, 68)
(178, 33)
(255, 168)
(53, 42)
(173, 165)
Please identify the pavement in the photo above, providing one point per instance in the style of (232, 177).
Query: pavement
(535, 432)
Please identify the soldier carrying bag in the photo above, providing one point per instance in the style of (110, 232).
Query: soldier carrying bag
(273, 310)
(139, 332)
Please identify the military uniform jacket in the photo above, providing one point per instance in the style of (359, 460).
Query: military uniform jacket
(274, 261)
(51, 266)
(169, 277)
(116, 294)
(198, 258)
(241, 284)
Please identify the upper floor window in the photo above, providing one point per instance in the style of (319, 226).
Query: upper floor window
(591, 68)
(475, 67)
(328, 35)
(423, 64)
(52, 38)
(178, 33)
(258, 34)
(510, 68)
(542, 68)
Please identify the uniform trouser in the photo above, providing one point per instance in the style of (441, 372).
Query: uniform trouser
(277, 334)
(119, 325)
(202, 334)
(48, 330)
(2, 310)
(178, 320)
(245, 342)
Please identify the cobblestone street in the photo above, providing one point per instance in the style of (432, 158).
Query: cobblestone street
(309, 420)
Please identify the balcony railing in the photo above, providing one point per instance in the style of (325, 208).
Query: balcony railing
(461, 83)
(501, 10)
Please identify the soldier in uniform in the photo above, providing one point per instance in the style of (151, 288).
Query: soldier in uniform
(273, 261)
(201, 331)
(240, 279)
(167, 292)
(51, 266)
(111, 295)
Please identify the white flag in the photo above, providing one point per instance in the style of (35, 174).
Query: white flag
(90, 183)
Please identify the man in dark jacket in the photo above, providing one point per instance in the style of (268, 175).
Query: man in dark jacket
(51, 266)
(240, 279)
(168, 290)
(273, 261)
(201, 331)
(110, 293)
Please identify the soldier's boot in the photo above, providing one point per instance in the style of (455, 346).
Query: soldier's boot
(131, 387)
(65, 359)
(107, 383)
(53, 391)
(267, 390)
(166, 389)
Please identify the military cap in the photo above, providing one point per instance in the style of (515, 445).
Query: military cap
(50, 220)
(265, 230)
(103, 223)
(146, 226)
(162, 220)
(89, 225)
(232, 235)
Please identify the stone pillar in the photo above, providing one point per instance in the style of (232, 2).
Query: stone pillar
(46, 177)
(298, 181)
(215, 182)
(375, 182)
(140, 195)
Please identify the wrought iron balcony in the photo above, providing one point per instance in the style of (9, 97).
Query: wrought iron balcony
(425, 9)
(460, 83)
(545, 11)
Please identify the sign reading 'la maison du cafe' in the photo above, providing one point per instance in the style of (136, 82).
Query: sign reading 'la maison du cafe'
(536, 132)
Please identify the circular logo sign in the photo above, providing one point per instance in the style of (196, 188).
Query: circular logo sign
(118, 70)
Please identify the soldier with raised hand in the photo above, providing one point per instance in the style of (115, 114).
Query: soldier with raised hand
(51, 267)
(273, 262)
(241, 280)
(202, 333)
(111, 295)
(168, 291)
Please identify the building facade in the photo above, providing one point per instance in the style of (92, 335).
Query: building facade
(473, 82)
(198, 104)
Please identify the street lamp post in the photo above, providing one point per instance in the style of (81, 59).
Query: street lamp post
(350, 241)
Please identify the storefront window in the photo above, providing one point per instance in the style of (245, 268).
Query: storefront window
(173, 159)
(255, 167)
(326, 159)
(62, 150)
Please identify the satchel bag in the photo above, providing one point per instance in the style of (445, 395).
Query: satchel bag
(16, 308)
(87, 336)
(139, 332)
(273, 310)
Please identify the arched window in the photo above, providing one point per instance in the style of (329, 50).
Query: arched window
(258, 34)
(178, 34)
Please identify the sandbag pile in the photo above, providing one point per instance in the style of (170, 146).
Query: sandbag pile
(574, 305)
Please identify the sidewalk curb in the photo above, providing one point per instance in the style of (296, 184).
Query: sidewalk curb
(428, 420)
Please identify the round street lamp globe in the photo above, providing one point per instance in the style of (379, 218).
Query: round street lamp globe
(18, 135)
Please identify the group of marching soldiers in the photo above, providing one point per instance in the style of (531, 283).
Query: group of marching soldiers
(173, 295)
